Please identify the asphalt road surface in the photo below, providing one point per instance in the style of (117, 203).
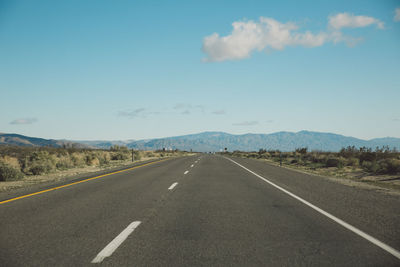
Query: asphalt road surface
(203, 210)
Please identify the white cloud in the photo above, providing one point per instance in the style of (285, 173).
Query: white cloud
(397, 14)
(268, 33)
(245, 123)
(346, 20)
(219, 112)
(180, 106)
(24, 121)
(132, 113)
(187, 108)
(248, 36)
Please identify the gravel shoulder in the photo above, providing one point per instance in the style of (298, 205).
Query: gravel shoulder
(40, 182)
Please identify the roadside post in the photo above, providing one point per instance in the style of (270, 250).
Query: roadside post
(133, 155)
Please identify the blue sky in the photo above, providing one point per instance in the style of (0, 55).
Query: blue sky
(142, 69)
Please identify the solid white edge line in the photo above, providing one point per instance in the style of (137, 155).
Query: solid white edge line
(355, 230)
(113, 245)
(185, 172)
(172, 186)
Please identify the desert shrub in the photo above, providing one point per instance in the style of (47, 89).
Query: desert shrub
(78, 159)
(276, 159)
(348, 152)
(40, 162)
(286, 155)
(253, 155)
(64, 162)
(266, 155)
(302, 150)
(104, 158)
(9, 173)
(316, 165)
(333, 161)
(38, 168)
(91, 159)
(261, 151)
(318, 158)
(137, 155)
(119, 155)
(367, 156)
(370, 166)
(11, 161)
(94, 162)
(149, 154)
(353, 162)
(308, 157)
(389, 166)
(294, 161)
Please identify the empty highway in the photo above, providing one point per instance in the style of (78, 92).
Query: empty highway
(203, 210)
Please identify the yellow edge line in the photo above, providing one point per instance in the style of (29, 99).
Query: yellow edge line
(78, 182)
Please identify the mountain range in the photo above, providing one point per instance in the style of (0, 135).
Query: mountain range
(217, 141)
(22, 140)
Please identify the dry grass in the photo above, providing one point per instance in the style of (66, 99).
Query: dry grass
(363, 166)
(23, 166)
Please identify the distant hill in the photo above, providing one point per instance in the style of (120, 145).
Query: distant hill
(215, 141)
(284, 141)
(22, 140)
(103, 144)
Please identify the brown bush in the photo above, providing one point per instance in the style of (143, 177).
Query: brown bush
(78, 159)
(9, 173)
(121, 155)
(104, 158)
(370, 166)
(332, 161)
(64, 162)
(11, 161)
(355, 162)
(389, 166)
(39, 162)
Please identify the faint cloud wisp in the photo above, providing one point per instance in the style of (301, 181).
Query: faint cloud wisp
(132, 113)
(219, 112)
(188, 108)
(23, 121)
(346, 20)
(397, 14)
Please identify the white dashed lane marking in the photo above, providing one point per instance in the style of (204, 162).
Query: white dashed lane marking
(172, 186)
(113, 245)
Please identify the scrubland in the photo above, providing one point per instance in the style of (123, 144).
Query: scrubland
(380, 166)
(36, 164)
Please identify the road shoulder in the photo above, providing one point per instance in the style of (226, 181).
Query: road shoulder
(53, 181)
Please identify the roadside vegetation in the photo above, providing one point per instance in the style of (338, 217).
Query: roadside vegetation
(17, 163)
(379, 167)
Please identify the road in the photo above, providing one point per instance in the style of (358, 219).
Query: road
(203, 210)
